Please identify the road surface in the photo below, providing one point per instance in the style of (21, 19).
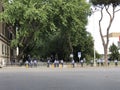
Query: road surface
(60, 79)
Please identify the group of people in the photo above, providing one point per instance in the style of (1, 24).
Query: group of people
(101, 62)
(56, 63)
(81, 62)
(31, 63)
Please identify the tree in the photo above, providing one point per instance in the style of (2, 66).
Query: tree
(41, 22)
(110, 7)
(114, 52)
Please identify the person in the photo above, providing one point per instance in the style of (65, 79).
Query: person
(48, 63)
(81, 63)
(20, 62)
(73, 63)
(98, 62)
(91, 62)
(55, 63)
(31, 63)
(116, 62)
(26, 64)
(61, 62)
(35, 63)
(108, 62)
(102, 62)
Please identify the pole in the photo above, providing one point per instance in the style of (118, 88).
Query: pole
(94, 40)
(94, 55)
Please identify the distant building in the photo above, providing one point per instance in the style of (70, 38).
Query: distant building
(114, 37)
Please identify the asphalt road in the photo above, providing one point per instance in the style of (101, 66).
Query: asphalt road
(60, 79)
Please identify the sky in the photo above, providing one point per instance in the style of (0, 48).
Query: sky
(93, 28)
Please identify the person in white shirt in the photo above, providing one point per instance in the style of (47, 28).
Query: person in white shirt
(73, 63)
(55, 63)
(81, 63)
(35, 63)
(116, 62)
(61, 62)
(48, 63)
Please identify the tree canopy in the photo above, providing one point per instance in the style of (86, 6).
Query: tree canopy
(106, 2)
(114, 52)
(48, 25)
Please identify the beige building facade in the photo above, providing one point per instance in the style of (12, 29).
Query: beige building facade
(4, 44)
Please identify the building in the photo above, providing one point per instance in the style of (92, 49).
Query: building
(4, 44)
(6, 53)
(114, 38)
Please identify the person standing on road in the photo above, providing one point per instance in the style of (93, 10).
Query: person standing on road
(31, 63)
(91, 62)
(48, 63)
(116, 62)
(27, 64)
(55, 63)
(73, 63)
(81, 63)
(61, 62)
(108, 62)
(35, 63)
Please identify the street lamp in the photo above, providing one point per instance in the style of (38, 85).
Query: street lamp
(93, 11)
(17, 49)
(94, 55)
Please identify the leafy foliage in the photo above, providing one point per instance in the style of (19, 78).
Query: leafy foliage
(48, 27)
(114, 52)
(106, 2)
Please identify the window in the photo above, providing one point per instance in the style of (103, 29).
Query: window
(2, 48)
(3, 29)
(8, 50)
(5, 50)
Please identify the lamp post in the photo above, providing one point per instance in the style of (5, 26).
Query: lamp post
(17, 48)
(94, 55)
(93, 11)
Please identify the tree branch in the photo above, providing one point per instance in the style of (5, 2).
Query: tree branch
(111, 20)
(100, 29)
(117, 10)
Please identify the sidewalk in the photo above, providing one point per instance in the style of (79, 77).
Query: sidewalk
(60, 67)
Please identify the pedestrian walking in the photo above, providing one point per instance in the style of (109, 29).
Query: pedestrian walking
(73, 63)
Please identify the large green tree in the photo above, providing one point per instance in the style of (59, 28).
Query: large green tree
(38, 23)
(110, 7)
(114, 52)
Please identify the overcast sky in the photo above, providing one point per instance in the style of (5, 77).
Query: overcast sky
(92, 27)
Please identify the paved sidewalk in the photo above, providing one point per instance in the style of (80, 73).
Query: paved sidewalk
(45, 68)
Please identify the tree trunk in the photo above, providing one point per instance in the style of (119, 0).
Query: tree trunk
(106, 55)
(105, 44)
